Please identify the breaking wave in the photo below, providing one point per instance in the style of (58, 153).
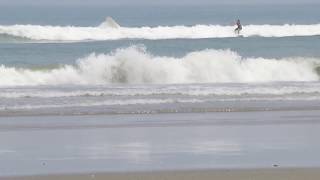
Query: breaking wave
(111, 30)
(133, 65)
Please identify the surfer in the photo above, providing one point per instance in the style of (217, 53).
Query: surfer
(239, 27)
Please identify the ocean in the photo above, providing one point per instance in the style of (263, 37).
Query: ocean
(68, 58)
(62, 63)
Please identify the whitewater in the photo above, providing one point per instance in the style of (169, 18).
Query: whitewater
(110, 30)
(135, 65)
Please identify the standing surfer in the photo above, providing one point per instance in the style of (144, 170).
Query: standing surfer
(239, 27)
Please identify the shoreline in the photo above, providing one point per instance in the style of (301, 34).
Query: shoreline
(220, 174)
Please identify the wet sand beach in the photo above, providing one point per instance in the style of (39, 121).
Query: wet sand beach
(167, 144)
(256, 174)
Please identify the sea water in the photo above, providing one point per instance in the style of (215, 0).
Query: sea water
(68, 60)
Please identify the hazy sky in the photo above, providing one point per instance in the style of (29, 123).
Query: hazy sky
(149, 2)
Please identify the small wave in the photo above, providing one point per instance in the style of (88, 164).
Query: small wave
(133, 65)
(111, 30)
(189, 90)
(103, 103)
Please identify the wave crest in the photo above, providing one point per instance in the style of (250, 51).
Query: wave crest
(133, 65)
(110, 30)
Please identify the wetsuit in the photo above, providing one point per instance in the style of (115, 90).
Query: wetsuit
(239, 28)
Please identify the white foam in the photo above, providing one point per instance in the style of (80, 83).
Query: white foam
(110, 30)
(103, 103)
(189, 90)
(135, 66)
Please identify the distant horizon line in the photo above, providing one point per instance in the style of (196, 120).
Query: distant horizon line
(157, 4)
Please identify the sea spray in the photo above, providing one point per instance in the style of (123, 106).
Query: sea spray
(134, 65)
